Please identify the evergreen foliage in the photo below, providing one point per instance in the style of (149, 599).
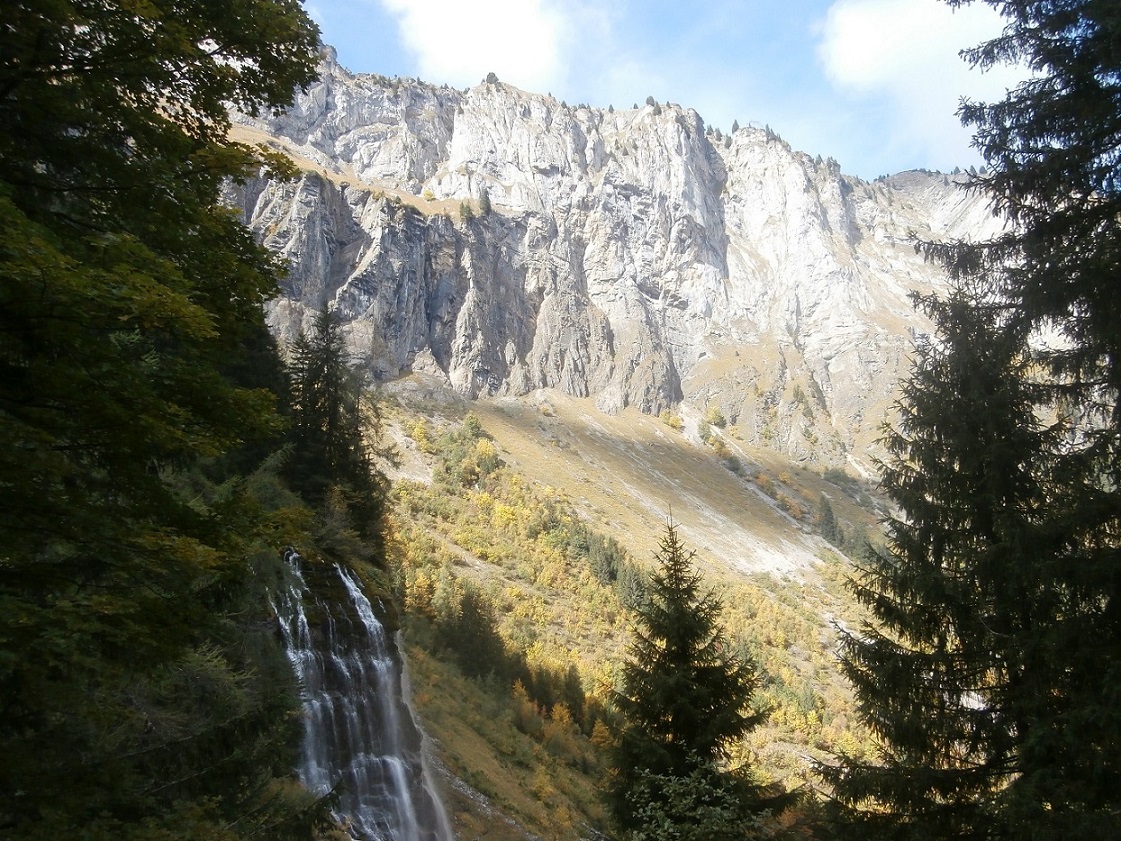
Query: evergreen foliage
(141, 697)
(684, 697)
(1054, 150)
(702, 805)
(334, 425)
(993, 671)
(827, 524)
(609, 563)
(948, 677)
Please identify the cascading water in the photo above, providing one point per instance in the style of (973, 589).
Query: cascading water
(360, 737)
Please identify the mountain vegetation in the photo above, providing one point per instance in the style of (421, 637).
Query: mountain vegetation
(143, 696)
(991, 666)
(518, 614)
(158, 451)
(684, 698)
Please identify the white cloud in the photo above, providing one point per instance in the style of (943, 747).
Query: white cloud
(870, 44)
(459, 41)
(907, 52)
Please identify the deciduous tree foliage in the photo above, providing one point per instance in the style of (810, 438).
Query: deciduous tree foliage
(994, 668)
(685, 697)
(133, 703)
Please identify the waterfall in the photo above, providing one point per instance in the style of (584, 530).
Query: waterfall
(360, 737)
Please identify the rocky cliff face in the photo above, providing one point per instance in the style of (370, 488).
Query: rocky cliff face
(628, 255)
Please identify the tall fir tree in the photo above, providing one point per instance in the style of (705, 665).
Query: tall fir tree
(948, 675)
(1054, 152)
(334, 427)
(1026, 724)
(1053, 148)
(684, 699)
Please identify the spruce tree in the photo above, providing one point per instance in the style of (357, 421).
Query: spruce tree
(1053, 152)
(1053, 149)
(827, 521)
(1021, 578)
(947, 675)
(684, 699)
(334, 426)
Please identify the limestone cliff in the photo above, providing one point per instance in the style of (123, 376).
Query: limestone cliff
(630, 255)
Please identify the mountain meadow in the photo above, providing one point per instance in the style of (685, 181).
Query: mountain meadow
(386, 461)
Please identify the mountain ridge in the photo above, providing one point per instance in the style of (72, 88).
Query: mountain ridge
(508, 242)
(630, 261)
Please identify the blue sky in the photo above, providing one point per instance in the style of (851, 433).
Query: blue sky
(872, 83)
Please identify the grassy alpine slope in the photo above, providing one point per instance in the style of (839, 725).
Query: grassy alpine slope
(517, 625)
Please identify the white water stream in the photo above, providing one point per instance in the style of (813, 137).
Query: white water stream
(360, 737)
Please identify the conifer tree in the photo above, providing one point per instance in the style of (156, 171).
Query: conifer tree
(827, 521)
(1053, 150)
(326, 407)
(334, 426)
(945, 676)
(993, 673)
(685, 698)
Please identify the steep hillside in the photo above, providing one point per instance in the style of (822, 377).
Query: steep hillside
(646, 320)
(493, 519)
(506, 242)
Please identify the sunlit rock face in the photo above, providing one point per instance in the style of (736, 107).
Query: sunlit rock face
(630, 255)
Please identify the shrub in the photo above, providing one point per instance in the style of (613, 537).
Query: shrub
(716, 417)
(671, 420)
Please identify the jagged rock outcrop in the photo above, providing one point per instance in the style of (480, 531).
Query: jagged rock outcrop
(629, 255)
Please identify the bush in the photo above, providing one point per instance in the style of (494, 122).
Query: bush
(704, 430)
(671, 420)
(715, 417)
